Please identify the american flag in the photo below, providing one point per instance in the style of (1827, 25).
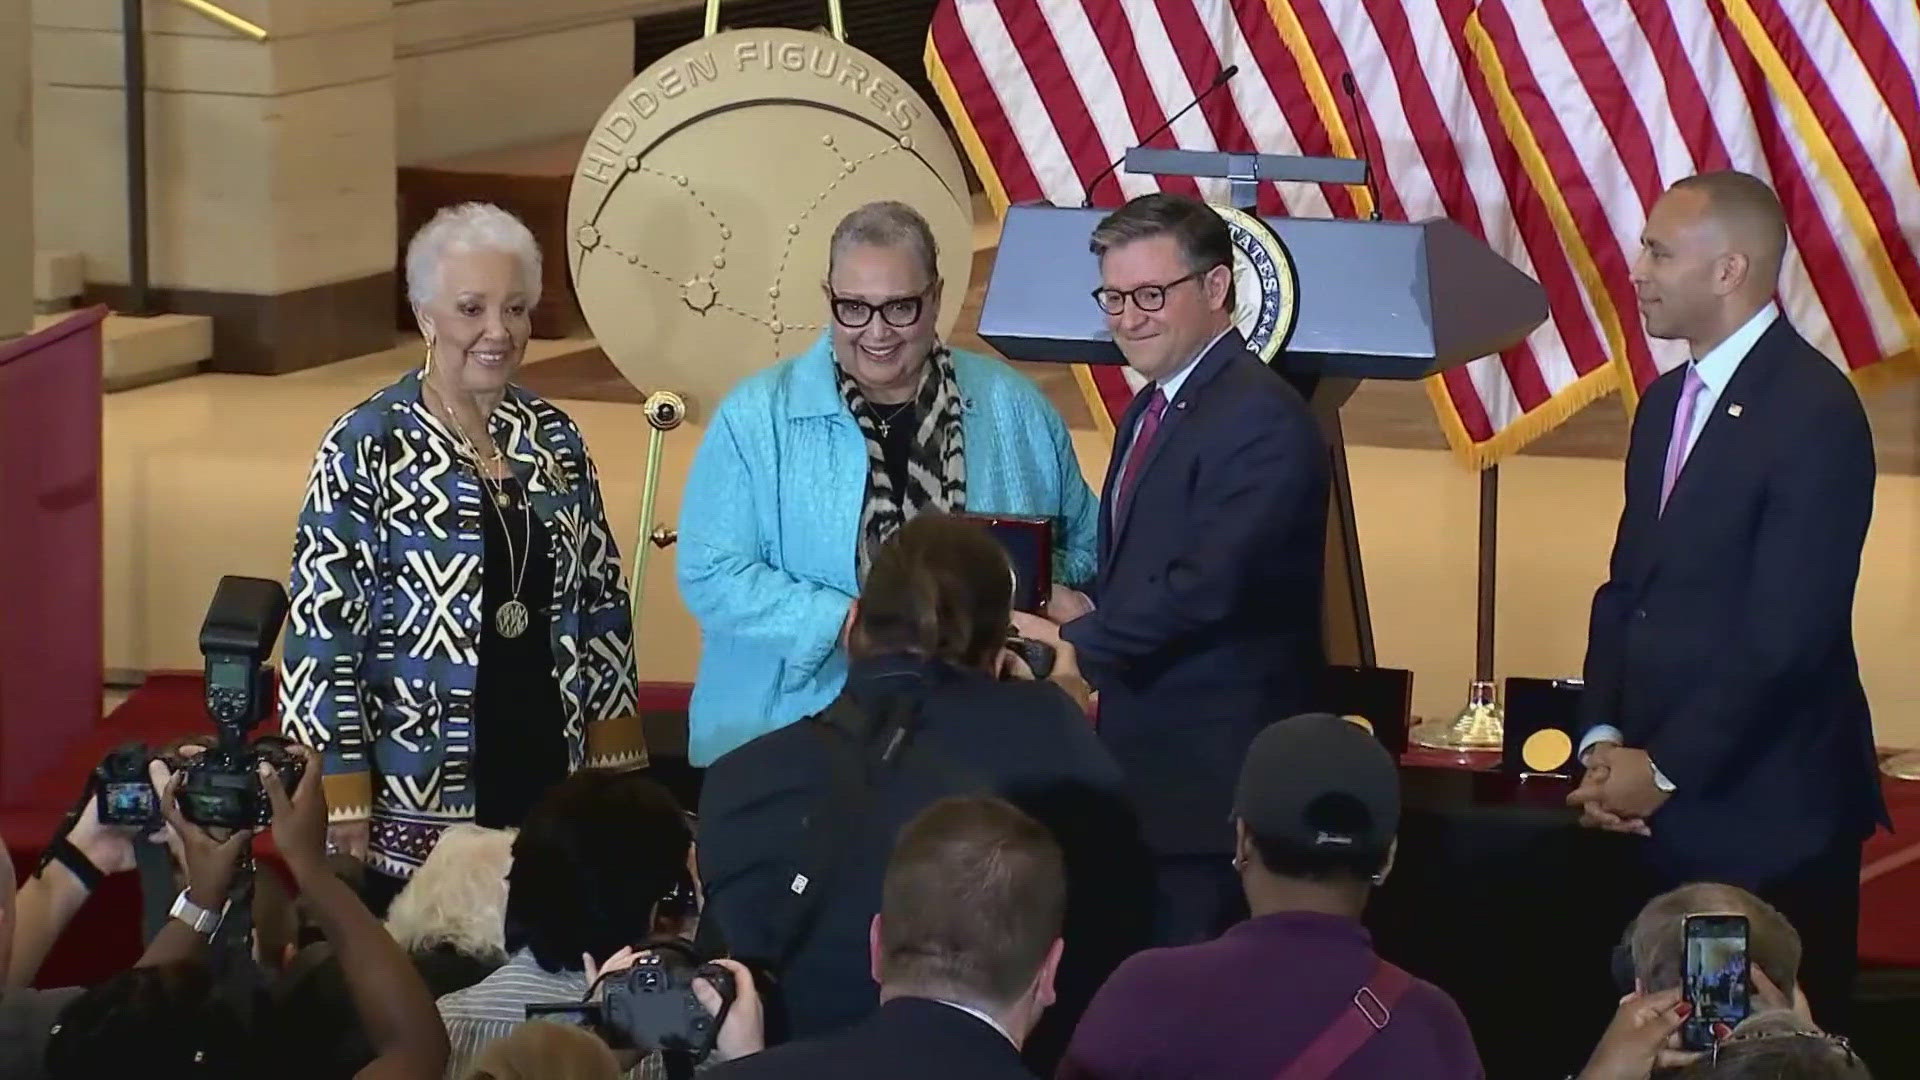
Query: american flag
(1547, 127)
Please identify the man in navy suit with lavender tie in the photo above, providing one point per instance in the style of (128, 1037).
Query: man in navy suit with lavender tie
(1204, 625)
(1723, 713)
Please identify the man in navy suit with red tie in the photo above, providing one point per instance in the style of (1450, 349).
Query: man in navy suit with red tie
(1204, 625)
(1723, 713)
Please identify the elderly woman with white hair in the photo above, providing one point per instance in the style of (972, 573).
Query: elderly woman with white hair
(452, 916)
(460, 638)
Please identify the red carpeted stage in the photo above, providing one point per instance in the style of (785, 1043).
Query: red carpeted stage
(106, 936)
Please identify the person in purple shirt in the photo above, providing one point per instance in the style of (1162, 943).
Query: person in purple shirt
(1296, 991)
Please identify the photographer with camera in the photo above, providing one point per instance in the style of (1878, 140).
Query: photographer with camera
(796, 825)
(26, 1014)
(172, 1014)
(592, 863)
(85, 852)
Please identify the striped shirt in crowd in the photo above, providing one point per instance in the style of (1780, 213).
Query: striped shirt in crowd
(493, 1007)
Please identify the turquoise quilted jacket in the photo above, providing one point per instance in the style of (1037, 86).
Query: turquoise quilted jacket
(771, 515)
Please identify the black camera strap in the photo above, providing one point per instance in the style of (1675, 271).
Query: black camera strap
(866, 744)
(60, 849)
(858, 741)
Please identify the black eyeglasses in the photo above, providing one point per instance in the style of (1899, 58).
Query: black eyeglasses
(1146, 297)
(899, 312)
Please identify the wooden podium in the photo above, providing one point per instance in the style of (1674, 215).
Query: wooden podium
(1377, 300)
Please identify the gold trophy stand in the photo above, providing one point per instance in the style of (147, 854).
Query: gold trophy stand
(1480, 727)
(1903, 766)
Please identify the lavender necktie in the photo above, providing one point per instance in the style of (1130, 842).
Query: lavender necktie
(1682, 428)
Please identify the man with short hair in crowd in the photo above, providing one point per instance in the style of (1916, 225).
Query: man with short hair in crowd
(1650, 966)
(1656, 939)
(1297, 985)
(965, 948)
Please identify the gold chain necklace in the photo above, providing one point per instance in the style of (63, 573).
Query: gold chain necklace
(886, 425)
(510, 618)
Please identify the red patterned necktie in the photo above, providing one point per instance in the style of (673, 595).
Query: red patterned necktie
(1142, 443)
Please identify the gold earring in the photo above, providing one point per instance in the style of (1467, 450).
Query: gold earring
(428, 366)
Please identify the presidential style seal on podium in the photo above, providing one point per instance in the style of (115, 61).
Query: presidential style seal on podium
(701, 210)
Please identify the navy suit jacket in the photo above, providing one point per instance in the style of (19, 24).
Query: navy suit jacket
(908, 1036)
(1208, 624)
(1722, 641)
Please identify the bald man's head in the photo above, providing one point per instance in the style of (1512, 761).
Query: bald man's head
(1710, 257)
(1749, 212)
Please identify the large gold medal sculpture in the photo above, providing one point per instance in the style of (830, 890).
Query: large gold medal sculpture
(701, 211)
(703, 204)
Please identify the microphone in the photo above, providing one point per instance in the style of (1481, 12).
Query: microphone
(1366, 155)
(1219, 81)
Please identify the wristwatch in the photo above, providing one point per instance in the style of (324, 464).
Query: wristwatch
(196, 917)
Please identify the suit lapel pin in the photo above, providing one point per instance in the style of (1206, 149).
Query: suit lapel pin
(1733, 410)
(1181, 405)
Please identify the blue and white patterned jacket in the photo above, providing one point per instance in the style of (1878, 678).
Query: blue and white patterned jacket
(381, 654)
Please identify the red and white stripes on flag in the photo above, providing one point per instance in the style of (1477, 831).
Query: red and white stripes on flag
(1544, 126)
(1626, 96)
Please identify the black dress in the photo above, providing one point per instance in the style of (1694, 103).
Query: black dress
(519, 730)
(896, 447)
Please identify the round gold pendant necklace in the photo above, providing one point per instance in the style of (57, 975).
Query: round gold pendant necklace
(512, 617)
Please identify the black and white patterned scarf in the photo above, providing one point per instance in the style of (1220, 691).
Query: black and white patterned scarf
(936, 461)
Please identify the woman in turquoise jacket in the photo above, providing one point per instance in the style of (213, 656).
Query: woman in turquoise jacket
(806, 466)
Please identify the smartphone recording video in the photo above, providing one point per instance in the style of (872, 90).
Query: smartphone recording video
(1715, 982)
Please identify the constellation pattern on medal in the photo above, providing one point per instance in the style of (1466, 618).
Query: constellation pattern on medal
(848, 167)
(700, 293)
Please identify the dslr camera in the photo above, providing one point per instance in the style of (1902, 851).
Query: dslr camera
(221, 786)
(1038, 655)
(651, 1006)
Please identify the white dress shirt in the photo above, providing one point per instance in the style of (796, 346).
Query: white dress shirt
(1170, 389)
(981, 1016)
(1716, 371)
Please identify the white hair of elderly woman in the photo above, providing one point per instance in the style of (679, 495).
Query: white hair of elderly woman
(458, 897)
(469, 226)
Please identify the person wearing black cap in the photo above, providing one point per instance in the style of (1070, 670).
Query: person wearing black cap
(1296, 990)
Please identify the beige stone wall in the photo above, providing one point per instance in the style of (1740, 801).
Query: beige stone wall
(16, 170)
(474, 75)
(270, 164)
